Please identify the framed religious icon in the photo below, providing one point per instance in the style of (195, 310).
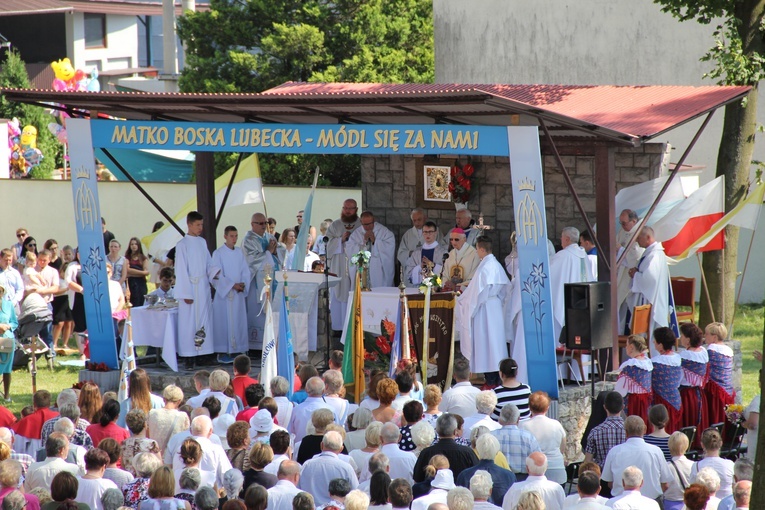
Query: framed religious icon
(436, 179)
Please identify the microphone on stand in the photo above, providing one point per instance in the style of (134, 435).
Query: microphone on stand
(326, 239)
(443, 262)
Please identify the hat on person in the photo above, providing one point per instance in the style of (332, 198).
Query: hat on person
(262, 421)
(220, 427)
(458, 230)
(444, 480)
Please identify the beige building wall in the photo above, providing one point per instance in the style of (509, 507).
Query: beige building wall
(45, 208)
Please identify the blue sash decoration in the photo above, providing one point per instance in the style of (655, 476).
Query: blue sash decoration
(666, 382)
(534, 263)
(90, 242)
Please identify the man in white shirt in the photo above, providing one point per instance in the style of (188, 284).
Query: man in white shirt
(280, 495)
(485, 402)
(404, 382)
(280, 444)
(40, 474)
(229, 308)
(202, 384)
(279, 387)
(629, 221)
(650, 282)
(325, 467)
(401, 462)
(552, 493)
(301, 415)
(630, 498)
(219, 380)
(11, 279)
(460, 398)
(649, 459)
(743, 469)
(165, 288)
(214, 458)
(588, 487)
(51, 279)
(481, 485)
(333, 384)
(742, 493)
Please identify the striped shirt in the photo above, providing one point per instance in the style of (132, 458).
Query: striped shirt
(518, 395)
(516, 444)
(661, 442)
(604, 437)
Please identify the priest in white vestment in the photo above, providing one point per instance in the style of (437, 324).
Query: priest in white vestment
(338, 233)
(380, 242)
(480, 317)
(260, 249)
(570, 265)
(229, 306)
(412, 238)
(462, 262)
(650, 282)
(630, 224)
(194, 273)
(513, 308)
(429, 255)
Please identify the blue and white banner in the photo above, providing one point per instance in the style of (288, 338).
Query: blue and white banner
(301, 138)
(534, 263)
(90, 242)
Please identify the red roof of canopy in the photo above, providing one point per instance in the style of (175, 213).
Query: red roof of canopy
(628, 114)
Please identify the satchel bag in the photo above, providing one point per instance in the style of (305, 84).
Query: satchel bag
(7, 345)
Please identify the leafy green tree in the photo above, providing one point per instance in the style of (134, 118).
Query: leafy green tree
(13, 74)
(738, 57)
(254, 45)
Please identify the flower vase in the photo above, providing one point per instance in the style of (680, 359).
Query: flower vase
(365, 284)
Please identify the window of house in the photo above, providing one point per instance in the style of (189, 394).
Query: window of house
(95, 30)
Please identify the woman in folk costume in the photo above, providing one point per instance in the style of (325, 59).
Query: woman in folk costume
(666, 376)
(719, 388)
(634, 382)
(695, 364)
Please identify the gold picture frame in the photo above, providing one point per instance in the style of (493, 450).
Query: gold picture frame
(436, 179)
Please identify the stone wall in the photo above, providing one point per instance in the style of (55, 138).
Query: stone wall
(573, 410)
(389, 187)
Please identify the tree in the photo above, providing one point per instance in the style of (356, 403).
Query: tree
(13, 74)
(738, 55)
(254, 45)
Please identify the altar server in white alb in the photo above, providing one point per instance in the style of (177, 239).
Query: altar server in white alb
(229, 307)
(338, 234)
(380, 242)
(480, 316)
(260, 250)
(570, 265)
(429, 255)
(194, 273)
(650, 282)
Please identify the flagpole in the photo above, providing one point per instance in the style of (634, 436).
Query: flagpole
(706, 288)
(743, 274)
(425, 336)
(263, 195)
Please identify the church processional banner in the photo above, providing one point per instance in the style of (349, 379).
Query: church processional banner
(441, 350)
(520, 143)
(87, 215)
(531, 232)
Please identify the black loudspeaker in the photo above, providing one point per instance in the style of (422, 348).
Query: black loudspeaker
(588, 315)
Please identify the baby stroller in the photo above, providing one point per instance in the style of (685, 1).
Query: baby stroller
(34, 316)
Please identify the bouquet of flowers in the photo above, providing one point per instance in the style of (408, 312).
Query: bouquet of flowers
(734, 413)
(461, 183)
(434, 282)
(361, 259)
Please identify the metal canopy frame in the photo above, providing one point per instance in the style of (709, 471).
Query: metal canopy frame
(464, 105)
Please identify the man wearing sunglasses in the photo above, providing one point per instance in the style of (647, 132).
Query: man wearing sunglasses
(21, 234)
(462, 262)
(261, 250)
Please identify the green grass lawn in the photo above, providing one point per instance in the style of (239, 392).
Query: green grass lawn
(748, 329)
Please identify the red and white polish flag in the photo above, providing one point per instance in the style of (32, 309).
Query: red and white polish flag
(692, 218)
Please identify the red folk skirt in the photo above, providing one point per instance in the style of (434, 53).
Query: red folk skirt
(638, 404)
(675, 415)
(717, 399)
(694, 411)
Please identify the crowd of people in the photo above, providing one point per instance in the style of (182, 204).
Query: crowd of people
(240, 444)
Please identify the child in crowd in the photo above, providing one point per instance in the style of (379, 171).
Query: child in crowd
(32, 278)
